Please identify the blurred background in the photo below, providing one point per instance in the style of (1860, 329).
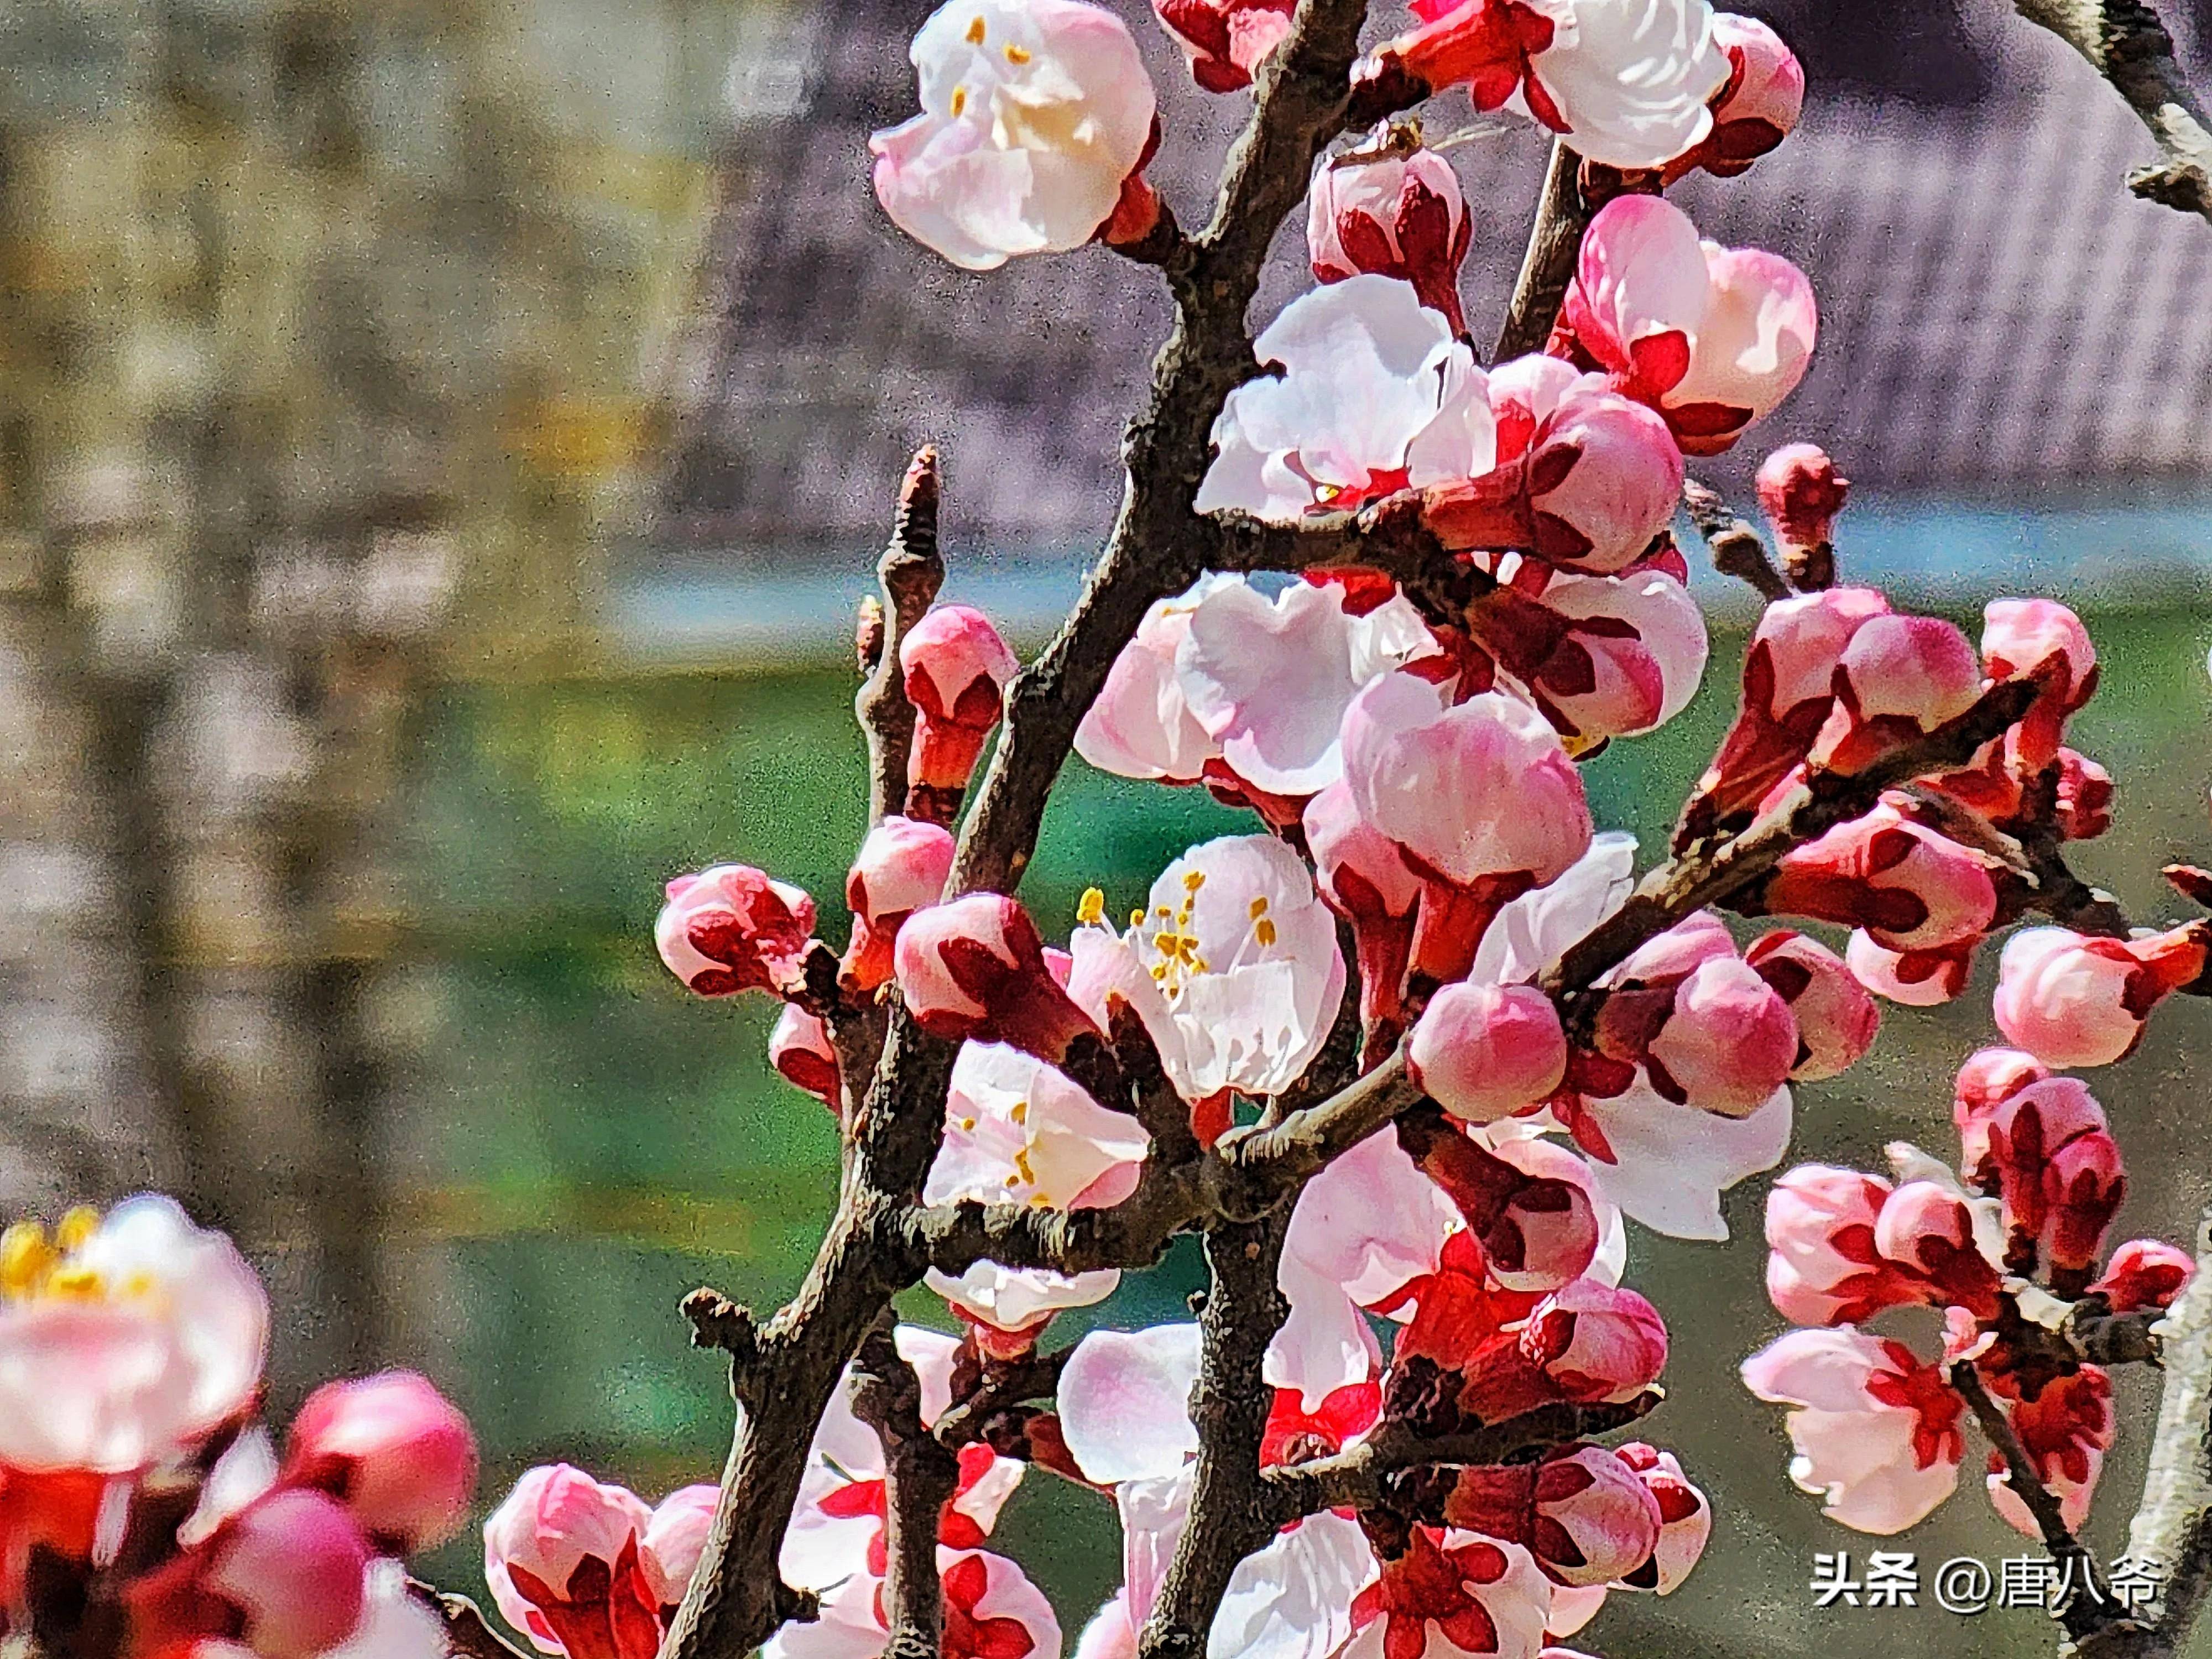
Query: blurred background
(440, 445)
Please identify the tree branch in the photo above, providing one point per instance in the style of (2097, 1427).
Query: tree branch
(1548, 265)
(919, 1478)
(1736, 548)
(1232, 1512)
(468, 1634)
(2127, 44)
(910, 572)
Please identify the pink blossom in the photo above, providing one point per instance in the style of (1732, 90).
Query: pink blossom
(398, 1452)
(1711, 337)
(1007, 1308)
(1927, 1228)
(2066, 1431)
(1269, 679)
(1364, 1228)
(1822, 1265)
(734, 928)
(1484, 1051)
(2144, 1274)
(1478, 1598)
(1225, 40)
(1686, 1519)
(1585, 1514)
(1294, 1597)
(1876, 1432)
(1035, 115)
(1988, 1078)
(1481, 799)
(562, 1557)
(1758, 106)
(675, 1538)
(974, 968)
(1376, 397)
(956, 668)
(1365, 880)
(1836, 1018)
(1799, 490)
(1599, 475)
(2055, 1170)
(1667, 1164)
(1912, 979)
(285, 1577)
(1788, 690)
(1390, 209)
(1900, 678)
(1124, 1402)
(1527, 1204)
(1729, 1044)
(1597, 1342)
(1601, 656)
(1909, 888)
(129, 1338)
(1017, 1131)
(991, 1610)
(1233, 967)
(2083, 810)
(2072, 1000)
(901, 867)
(2043, 640)
(798, 1048)
(1141, 725)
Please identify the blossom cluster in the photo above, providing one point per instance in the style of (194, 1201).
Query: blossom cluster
(144, 1508)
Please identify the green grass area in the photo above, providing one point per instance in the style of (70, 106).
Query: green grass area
(595, 1142)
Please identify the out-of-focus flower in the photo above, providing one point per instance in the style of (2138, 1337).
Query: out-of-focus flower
(1390, 209)
(1034, 114)
(285, 1577)
(1225, 40)
(734, 928)
(1376, 396)
(1876, 1432)
(395, 1451)
(1711, 337)
(128, 1338)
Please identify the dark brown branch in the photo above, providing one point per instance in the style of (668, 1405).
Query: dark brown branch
(1548, 265)
(1707, 875)
(2127, 44)
(2110, 1338)
(468, 1634)
(910, 572)
(1362, 1476)
(1232, 1512)
(2089, 1609)
(1262, 1164)
(1737, 549)
(1388, 536)
(919, 1478)
(1001, 1386)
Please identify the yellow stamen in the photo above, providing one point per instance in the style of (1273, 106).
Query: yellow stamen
(26, 1258)
(968, 1126)
(959, 101)
(976, 32)
(1020, 1114)
(1090, 910)
(1021, 1166)
(1193, 880)
(1015, 54)
(1167, 943)
(1137, 917)
(76, 1284)
(1259, 906)
(1265, 932)
(74, 1230)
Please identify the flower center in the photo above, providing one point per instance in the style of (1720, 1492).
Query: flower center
(1176, 942)
(35, 1264)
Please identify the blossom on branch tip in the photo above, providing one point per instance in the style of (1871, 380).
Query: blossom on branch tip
(1759, 106)
(1390, 208)
(1799, 490)
(734, 928)
(1711, 337)
(1376, 396)
(2073, 1001)
(956, 668)
(1686, 1519)
(901, 867)
(397, 1452)
(1876, 1432)
(1035, 115)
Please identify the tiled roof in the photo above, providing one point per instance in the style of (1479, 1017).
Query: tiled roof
(1999, 315)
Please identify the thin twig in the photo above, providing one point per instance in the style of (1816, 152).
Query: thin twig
(468, 1634)
(1548, 265)
(919, 1478)
(1737, 549)
(910, 572)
